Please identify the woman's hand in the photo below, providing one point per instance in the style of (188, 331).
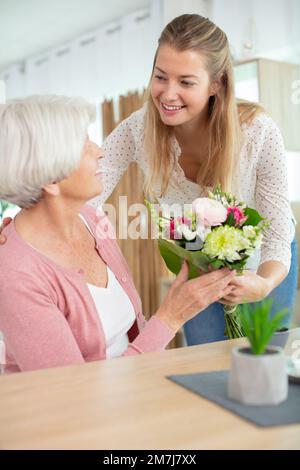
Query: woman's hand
(5, 222)
(249, 287)
(185, 298)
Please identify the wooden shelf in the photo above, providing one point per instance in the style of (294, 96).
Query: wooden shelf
(271, 83)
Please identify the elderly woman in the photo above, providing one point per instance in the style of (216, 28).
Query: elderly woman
(67, 296)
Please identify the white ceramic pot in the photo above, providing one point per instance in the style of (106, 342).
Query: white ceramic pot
(258, 379)
(279, 338)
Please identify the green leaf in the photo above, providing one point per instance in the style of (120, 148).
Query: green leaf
(258, 325)
(173, 256)
(230, 220)
(253, 217)
(240, 264)
(200, 260)
(217, 264)
(172, 260)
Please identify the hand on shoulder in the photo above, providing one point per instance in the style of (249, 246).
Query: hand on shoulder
(5, 222)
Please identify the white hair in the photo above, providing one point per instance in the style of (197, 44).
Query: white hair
(41, 140)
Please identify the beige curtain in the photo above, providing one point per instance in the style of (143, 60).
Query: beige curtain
(142, 256)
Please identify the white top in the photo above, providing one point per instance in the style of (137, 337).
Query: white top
(115, 310)
(116, 314)
(262, 181)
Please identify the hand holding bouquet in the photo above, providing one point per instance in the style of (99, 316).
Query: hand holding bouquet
(217, 231)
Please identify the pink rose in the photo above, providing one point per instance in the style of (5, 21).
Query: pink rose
(209, 212)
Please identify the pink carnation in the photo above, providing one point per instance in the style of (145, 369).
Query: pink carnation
(238, 214)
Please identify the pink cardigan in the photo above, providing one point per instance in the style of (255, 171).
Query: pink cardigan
(47, 314)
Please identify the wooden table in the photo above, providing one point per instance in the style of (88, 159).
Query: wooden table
(127, 403)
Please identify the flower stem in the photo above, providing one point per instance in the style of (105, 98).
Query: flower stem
(233, 327)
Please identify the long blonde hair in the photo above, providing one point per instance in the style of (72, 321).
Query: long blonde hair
(195, 32)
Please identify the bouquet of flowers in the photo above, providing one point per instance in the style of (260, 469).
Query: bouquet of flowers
(217, 231)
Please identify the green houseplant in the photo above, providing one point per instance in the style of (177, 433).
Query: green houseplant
(258, 326)
(258, 375)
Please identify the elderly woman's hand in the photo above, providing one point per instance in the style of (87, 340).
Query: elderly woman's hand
(5, 222)
(186, 298)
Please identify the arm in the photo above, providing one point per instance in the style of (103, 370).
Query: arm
(155, 336)
(5, 222)
(252, 287)
(273, 272)
(119, 149)
(185, 299)
(35, 331)
(272, 201)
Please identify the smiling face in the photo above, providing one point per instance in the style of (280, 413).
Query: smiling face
(84, 183)
(180, 86)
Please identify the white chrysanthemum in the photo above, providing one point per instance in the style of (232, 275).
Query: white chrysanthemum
(225, 243)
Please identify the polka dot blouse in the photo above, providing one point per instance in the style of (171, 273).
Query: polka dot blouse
(262, 179)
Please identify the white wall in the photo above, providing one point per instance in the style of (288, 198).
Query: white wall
(100, 64)
(118, 56)
(111, 60)
(271, 26)
(2, 92)
(28, 27)
(173, 8)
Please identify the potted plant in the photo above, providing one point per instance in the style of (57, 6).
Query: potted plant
(280, 337)
(258, 374)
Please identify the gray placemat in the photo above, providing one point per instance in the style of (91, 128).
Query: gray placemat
(213, 386)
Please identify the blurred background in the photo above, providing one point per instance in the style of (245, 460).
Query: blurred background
(103, 50)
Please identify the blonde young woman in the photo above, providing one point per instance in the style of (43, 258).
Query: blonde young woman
(192, 134)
